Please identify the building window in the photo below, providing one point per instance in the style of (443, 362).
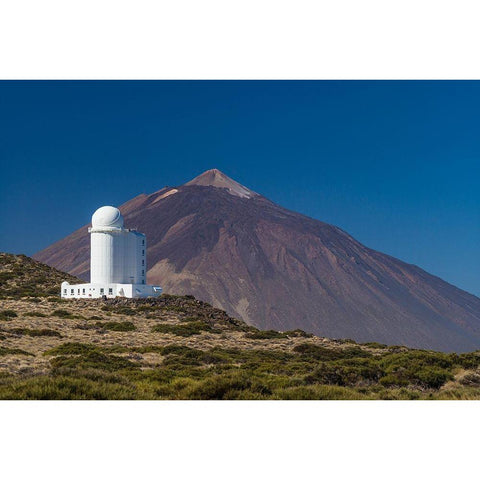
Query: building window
(83, 291)
(143, 282)
(79, 291)
(143, 242)
(71, 291)
(143, 272)
(143, 262)
(110, 291)
(143, 252)
(65, 291)
(101, 291)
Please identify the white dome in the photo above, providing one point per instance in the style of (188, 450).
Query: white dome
(107, 217)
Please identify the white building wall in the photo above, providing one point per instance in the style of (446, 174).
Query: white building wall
(141, 254)
(110, 290)
(113, 256)
(106, 260)
(130, 259)
(133, 268)
(118, 261)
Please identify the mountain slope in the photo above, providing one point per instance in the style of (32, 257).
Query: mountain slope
(22, 276)
(218, 240)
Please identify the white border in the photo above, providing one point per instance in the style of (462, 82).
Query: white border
(191, 39)
(187, 39)
(238, 440)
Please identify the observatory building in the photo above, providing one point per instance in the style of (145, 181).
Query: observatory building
(118, 261)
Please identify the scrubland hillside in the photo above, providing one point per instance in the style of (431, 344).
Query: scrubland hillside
(181, 348)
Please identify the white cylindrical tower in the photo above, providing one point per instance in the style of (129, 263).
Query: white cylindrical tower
(107, 240)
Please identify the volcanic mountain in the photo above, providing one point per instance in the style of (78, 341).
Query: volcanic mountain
(276, 269)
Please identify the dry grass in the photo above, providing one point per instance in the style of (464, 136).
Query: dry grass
(92, 359)
(79, 327)
(181, 348)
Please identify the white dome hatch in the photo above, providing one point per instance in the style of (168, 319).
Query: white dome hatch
(107, 217)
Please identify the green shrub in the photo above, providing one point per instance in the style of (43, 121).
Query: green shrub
(14, 351)
(470, 360)
(35, 314)
(418, 367)
(391, 380)
(375, 345)
(221, 387)
(273, 334)
(7, 314)
(433, 377)
(318, 392)
(185, 329)
(72, 348)
(118, 309)
(6, 276)
(265, 335)
(182, 355)
(44, 332)
(317, 352)
(117, 326)
(362, 371)
(416, 359)
(67, 388)
(191, 319)
(146, 308)
(92, 359)
(298, 333)
(56, 300)
(125, 311)
(176, 349)
(63, 314)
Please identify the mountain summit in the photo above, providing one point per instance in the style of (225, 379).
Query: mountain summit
(277, 269)
(216, 178)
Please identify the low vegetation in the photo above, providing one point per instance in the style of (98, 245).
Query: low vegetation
(36, 314)
(21, 276)
(13, 351)
(117, 326)
(7, 314)
(256, 334)
(180, 348)
(41, 332)
(185, 329)
(309, 371)
(62, 313)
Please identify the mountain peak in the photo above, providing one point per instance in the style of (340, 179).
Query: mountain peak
(216, 178)
(280, 270)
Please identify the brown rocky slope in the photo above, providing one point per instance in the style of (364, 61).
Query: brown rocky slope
(276, 269)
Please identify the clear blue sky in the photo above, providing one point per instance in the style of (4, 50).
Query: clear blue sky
(395, 164)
